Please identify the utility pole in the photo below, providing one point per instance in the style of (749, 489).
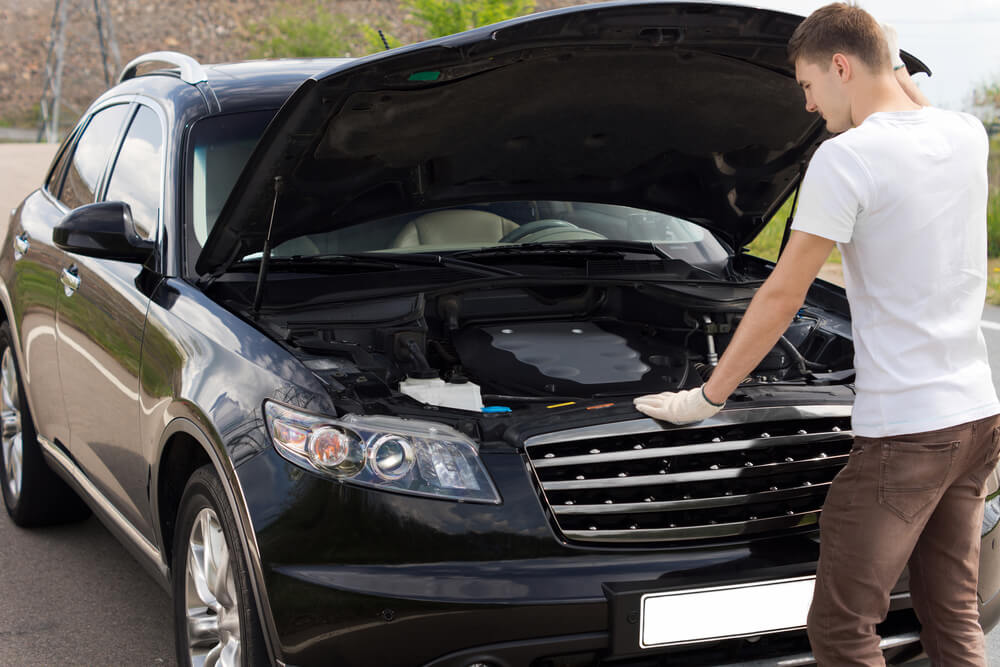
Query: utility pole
(55, 56)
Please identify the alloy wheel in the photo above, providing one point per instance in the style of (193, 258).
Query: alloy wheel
(10, 418)
(213, 612)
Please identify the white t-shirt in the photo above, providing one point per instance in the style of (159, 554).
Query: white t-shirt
(904, 196)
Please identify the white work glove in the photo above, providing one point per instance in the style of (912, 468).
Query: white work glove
(683, 407)
(892, 39)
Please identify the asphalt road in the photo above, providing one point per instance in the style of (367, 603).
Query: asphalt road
(72, 595)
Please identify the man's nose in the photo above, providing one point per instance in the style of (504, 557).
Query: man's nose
(810, 106)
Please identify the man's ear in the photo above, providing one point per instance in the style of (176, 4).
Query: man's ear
(841, 65)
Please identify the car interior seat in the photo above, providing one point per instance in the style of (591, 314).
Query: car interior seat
(454, 226)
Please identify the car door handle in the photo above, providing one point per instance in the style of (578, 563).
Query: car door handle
(21, 245)
(70, 280)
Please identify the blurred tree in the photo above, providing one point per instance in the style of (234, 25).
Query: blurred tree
(446, 17)
(310, 31)
(986, 102)
(296, 32)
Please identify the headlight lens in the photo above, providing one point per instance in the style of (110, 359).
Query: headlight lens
(404, 455)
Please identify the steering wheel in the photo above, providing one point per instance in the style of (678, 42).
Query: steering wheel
(532, 227)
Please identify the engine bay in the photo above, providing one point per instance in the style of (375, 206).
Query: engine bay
(509, 347)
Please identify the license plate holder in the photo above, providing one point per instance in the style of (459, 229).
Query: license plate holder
(643, 616)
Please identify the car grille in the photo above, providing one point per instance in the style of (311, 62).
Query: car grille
(742, 472)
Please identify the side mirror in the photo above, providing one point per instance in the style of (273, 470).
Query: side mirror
(104, 230)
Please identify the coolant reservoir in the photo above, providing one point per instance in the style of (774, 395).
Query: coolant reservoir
(435, 391)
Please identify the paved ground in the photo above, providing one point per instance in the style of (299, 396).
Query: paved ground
(72, 594)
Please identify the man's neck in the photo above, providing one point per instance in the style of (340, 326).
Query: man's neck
(876, 94)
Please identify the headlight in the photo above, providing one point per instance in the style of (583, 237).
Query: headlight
(404, 455)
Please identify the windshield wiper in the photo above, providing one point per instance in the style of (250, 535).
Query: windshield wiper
(376, 261)
(590, 250)
(595, 247)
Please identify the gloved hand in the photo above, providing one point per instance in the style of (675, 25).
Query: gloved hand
(683, 407)
(893, 40)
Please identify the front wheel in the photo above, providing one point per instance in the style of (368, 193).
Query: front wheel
(215, 618)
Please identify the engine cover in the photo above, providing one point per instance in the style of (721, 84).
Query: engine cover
(579, 359)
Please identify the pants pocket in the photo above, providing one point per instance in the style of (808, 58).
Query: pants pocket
(993, 454)
(912, 473)
(989, 460)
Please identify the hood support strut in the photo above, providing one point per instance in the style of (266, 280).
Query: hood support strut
(266, 254)
(791, 214)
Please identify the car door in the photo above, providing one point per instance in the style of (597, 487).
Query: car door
(100, 320)
(38, 263)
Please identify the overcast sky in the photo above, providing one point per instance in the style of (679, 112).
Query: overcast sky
(959, 40)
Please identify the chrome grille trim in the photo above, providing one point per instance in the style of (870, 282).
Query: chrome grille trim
(699, 476)
(743, 472)
(695, 532)
(699, 448)
(725, 418)
(692, 503)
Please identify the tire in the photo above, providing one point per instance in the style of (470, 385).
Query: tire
(32, 493)
(217, 609)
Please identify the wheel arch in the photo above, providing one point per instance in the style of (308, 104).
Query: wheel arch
(184, 447)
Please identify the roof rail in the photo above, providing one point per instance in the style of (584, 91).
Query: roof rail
(191, 70)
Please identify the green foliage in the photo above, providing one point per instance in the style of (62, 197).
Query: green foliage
(986, 102)
(314, 33)
(993, 225)
(373, 41)
(292, 32)
(446, 17)
(993, 203)
(768, 242)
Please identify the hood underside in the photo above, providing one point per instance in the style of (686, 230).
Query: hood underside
(689, 109)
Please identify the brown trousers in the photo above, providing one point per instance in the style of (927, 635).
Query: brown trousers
(913, 500)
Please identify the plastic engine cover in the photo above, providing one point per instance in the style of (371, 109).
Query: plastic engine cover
(579, 359)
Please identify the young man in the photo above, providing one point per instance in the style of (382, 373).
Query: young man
(902, 190)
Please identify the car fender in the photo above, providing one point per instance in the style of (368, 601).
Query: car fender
(187, 420)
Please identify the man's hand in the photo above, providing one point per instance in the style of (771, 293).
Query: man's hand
(892, 39)
(683, 407)
(901, 73)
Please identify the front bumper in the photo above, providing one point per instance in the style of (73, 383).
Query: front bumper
(361, 577)
(397, 632)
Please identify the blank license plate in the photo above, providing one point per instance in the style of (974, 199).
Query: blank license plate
(742, 610)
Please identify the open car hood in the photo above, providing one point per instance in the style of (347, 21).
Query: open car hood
(686, 108)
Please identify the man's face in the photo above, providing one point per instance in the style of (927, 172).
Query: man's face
(825, 94)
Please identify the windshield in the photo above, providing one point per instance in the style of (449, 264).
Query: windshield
(511, 223)
(221, 145)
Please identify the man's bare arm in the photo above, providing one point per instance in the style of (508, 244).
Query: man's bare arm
(770, 312)
(910, 87)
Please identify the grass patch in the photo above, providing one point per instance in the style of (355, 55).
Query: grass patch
(993, 281)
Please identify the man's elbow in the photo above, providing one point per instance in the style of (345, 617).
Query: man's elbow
(782, 298)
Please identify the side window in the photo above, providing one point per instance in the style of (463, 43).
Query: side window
(90, 156)
(56, 175)
(136, 178)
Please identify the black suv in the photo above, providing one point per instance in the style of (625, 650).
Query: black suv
(344, 350)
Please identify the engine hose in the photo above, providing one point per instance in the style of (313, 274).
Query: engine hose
(804, 366)
(684, 375)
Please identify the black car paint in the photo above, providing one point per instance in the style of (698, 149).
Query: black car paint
(329, 558)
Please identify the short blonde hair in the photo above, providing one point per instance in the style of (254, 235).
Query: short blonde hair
(839, 28)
